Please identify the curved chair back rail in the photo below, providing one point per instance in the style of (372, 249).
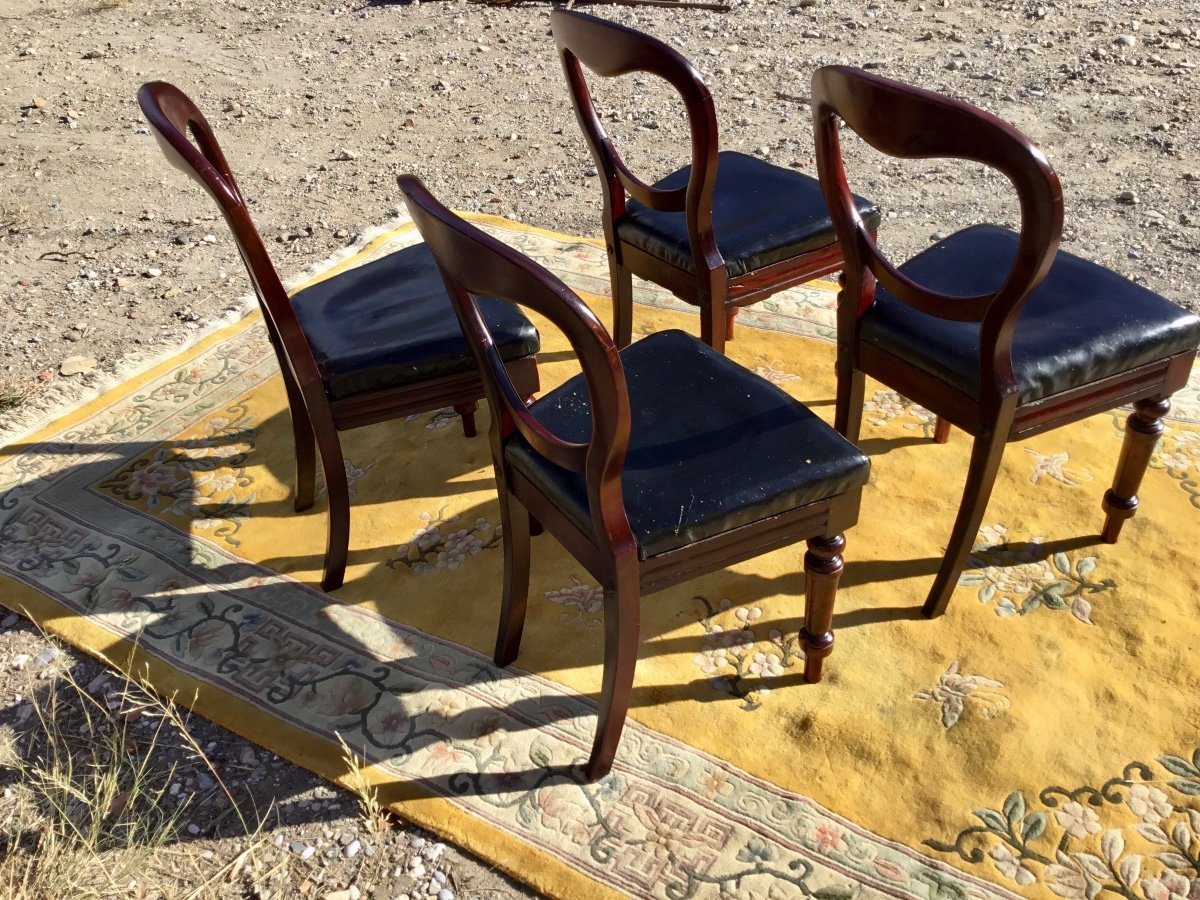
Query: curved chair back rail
(611, 50)
(1002, 350)
(910, 123)
(189, 144)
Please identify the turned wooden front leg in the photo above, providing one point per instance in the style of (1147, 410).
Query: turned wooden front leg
(1142, 431)
(823, 571)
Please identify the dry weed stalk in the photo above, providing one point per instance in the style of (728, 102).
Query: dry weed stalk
(375, 818)
(88, 813)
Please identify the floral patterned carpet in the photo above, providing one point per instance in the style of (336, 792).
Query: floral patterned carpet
(1041, 739)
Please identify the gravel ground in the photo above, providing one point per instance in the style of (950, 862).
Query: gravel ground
(107, 255)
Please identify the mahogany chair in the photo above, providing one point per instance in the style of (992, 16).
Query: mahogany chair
(721, 233)
(991, 330)
(368, 345)
(642, 496)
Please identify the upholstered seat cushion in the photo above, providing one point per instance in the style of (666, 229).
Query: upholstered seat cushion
(1083, 323)
(390, 323)
(712, 446)
(762, 213)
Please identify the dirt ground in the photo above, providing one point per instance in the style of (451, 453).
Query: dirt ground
(107, 255)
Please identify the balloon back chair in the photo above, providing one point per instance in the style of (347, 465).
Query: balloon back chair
(654, 465)
(368, 345)
(725, 231)
(994, 331)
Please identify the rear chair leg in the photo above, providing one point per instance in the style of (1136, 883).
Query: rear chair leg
(1142, 431)
(467, 412)
(822, 571)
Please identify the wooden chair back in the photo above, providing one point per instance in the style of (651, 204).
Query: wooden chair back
(907, 122)
(188, 143)
(610, 50)
(475, 264)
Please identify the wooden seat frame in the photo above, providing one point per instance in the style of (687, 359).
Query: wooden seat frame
(473, 263)
(316, 417)
(610, 50)
(906, 122)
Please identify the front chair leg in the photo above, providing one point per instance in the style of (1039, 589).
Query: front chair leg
(713, 324)
(467, 412)
(851, 387)
(986, 454)
(730, 315)
(1142, 431)
(620, 659)
(337, 491)
(822, 572)
(622, 297)
(515, 520)
(941, 431)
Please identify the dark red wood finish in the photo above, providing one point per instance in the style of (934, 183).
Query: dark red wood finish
(908, 122)
(188, 142)
(474, 263)
(610, 50)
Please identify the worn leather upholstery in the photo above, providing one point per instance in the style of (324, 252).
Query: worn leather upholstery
(1083, 322)
(762, 214)
(712, 446)
(389, 323)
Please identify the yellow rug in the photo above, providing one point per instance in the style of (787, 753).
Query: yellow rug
(1041, 739)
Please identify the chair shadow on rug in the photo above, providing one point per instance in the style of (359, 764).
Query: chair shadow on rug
(365, 346)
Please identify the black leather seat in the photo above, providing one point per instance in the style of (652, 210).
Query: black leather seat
(389, 324)
(762, 213)
(1082, 323)
(712, 446)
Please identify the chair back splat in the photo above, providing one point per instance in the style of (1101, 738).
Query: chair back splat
(997, 332)
(370, 344)
(657, 463)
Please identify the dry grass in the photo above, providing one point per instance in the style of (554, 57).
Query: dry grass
(375, 819)
(89, 815)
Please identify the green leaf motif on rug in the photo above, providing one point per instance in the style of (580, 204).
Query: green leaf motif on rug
(736, 660)
(1023, 578)
(437, 544)
(1136, 836)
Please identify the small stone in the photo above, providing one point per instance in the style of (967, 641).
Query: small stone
(1129, 198)
(77, 365)
(39, 102)
(193, 828)
(46, 657)
(445, 894)
(297, 846)
(354, 892)
(95, 54)
(352, 849)
(1125, 40)
(18, 662)
(171, 293)
(307, 852)
(345, 155)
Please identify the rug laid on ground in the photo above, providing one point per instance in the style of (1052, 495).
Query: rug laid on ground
(1040, 739)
